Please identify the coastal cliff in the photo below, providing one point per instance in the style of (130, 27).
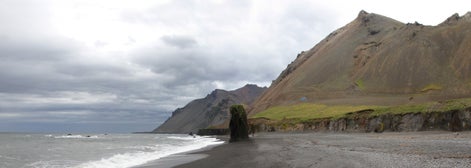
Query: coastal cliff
(363, 121)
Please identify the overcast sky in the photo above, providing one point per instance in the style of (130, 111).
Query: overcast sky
(123, 66)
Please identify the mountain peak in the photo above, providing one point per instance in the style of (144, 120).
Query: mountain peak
(249, 92)
(251, 86)
(218, 92)
(366, 18)
(467, 15)
(455, 18)
(362, 13)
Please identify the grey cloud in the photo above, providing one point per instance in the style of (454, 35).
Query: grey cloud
(51, 111)
(186, 68)
(203, 46)
(179, 41)
(42, 70)
(27, 50)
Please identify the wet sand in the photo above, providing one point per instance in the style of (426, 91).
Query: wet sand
(281, 150)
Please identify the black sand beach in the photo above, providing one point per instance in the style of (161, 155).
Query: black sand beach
(405, 149)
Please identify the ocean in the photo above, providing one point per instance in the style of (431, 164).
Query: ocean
(21, 150)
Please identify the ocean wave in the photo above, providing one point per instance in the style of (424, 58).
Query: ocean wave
(136, 158)
(190, 138)
(51, 164)
(8, 157)
(75, 136)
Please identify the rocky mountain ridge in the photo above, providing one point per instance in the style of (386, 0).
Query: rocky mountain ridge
(212, 110)
(376, 60)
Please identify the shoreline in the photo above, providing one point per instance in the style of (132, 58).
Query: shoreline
(313, 149)
(182, 158)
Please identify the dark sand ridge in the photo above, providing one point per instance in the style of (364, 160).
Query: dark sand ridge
(404, 149)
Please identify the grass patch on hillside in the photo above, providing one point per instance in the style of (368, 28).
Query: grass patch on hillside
(306, 111)
(360, 84)
(431, 87)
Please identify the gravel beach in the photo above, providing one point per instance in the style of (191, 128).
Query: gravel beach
(281, 150)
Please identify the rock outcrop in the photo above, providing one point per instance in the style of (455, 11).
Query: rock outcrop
(238, 125)
(209, 111)
(454, 120)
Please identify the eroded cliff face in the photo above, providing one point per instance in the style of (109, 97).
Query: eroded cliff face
(454, 120)
(374, 58)
(209, 111)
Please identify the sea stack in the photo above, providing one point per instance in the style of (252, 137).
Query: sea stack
(238, 124)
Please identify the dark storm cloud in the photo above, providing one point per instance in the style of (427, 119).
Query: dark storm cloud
(25, 65)
(43, 82)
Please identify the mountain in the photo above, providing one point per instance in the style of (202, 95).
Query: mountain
(376, 60)
(209, 111)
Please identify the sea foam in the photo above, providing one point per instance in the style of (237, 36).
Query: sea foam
(136, 158)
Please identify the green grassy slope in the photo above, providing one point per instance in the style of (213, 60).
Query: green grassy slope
(307, 111)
